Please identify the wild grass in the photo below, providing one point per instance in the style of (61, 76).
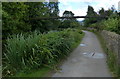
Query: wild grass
(24, 53)
(34, 73)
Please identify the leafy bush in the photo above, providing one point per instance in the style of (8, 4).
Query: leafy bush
(112, 25)
(24, 53)
(70, 23)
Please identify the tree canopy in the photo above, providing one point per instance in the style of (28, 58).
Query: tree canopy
(17, 15)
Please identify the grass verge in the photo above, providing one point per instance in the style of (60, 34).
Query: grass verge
(34, 73)
(24, 56)
(111, 57)
(47, 71)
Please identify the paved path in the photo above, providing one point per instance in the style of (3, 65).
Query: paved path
(87, 60)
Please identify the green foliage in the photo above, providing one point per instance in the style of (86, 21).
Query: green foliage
(17, 17)
(13, 18)
(24, 49)
(112, 63)
(90, 12)
(68, 13)
(34, 73)
(110, 24)
(69, 23)
(33, 51)
(40, 9)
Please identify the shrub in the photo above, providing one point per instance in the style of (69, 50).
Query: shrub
(111, 24)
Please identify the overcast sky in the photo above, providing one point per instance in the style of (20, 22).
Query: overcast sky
(79, 7)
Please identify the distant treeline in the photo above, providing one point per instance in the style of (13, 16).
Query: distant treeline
(111, 24)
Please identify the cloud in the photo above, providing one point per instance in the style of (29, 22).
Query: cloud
(88, 3)
(79, 7)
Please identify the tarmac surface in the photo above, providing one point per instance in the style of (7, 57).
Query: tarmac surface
(87, 60)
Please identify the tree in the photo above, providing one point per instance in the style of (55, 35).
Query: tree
(54, 12)
(101, 12)
(43, 10)
(17, 16)
(37, 9)
(90, 12)
(14, 17)
(69, 23)
(68, 14)
(110, 23)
